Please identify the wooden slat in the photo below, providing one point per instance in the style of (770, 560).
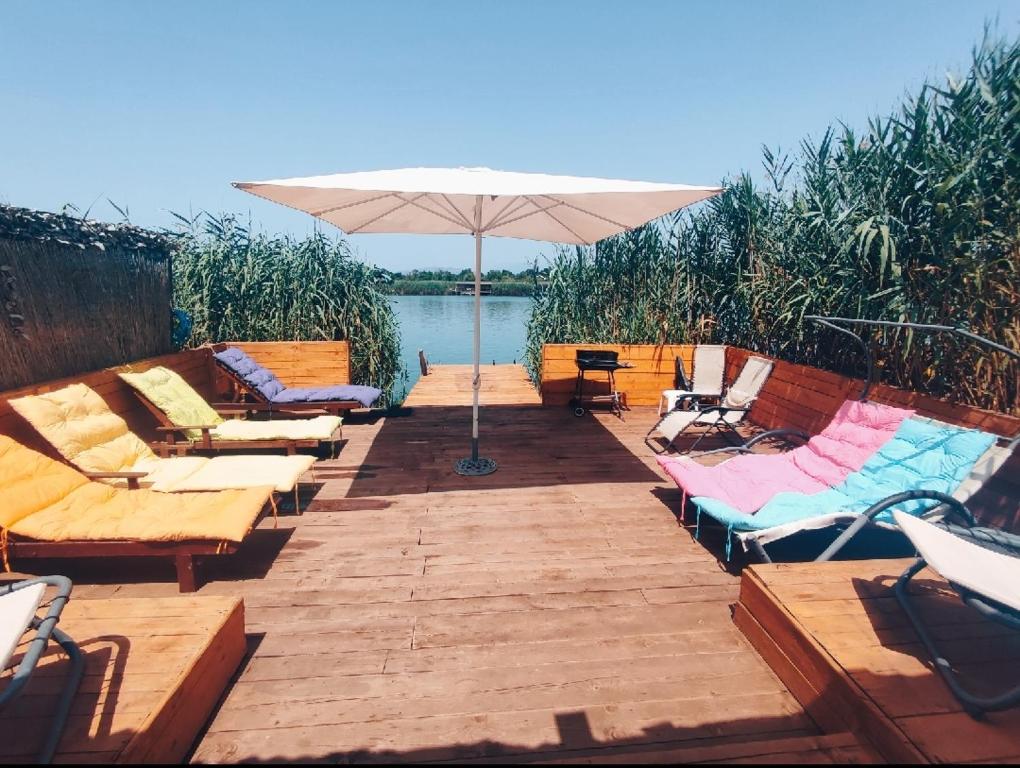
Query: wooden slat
(550, 607)
(653, 371)
(450, 385)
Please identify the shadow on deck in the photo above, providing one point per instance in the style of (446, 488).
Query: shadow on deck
(533, 447)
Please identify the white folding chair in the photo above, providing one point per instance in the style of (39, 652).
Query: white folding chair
(722, 418)
(707, 381)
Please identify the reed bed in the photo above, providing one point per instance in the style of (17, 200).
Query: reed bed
(915, 219)
(237, 284)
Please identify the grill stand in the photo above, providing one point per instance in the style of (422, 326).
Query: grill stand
(614, 398)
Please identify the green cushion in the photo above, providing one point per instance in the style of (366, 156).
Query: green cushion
(175, 397)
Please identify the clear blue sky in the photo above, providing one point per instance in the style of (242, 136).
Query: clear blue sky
(159, 105)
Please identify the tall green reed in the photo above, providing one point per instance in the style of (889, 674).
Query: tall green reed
(237, 284)
(916, 219)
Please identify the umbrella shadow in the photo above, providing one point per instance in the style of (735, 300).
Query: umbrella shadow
(533, 446)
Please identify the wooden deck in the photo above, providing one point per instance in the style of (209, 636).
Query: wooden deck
(450, 385)
(554, 610)
(836, 635)
(154, 671)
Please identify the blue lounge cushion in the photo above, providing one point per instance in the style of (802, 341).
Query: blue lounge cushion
(253, 374)
(358, 392)
(921, 455)
(271, 388)
(236, 360)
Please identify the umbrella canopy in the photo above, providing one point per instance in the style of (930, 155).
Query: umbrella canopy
(479, 202)
(443, 201)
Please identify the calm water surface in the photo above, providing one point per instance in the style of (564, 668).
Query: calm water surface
(442, 326)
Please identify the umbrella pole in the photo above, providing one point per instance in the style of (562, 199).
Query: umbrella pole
(475, 465)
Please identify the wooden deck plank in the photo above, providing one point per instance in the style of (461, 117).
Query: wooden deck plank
(448, 385)
(861, 656)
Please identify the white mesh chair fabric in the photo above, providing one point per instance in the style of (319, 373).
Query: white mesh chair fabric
(17, 609)
(707, 379)
(739, 397)
(990, 574)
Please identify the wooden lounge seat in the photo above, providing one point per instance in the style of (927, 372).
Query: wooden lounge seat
(260, 390)
(188, 422)
(52, 510)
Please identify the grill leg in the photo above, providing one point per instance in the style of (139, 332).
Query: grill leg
(617, 408)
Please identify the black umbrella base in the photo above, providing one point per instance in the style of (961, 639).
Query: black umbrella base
(475, 467)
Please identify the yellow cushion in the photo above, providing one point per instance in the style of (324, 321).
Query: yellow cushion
(49, 501)
(319, 428)
(83, 429)
(175, 397)
(30, 481)
(98, 512)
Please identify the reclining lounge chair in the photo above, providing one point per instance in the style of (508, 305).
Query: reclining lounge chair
(923, 453)
(265, 390)
(748, 481)
(721, 419)
(981, 564)
(183, 412)
(52, 510)
(19, 603)
(706, 383)
(79, 424)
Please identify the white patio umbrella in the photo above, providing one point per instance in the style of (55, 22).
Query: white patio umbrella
(479, 201)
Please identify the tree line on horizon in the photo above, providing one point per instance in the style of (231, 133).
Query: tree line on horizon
(440, 282)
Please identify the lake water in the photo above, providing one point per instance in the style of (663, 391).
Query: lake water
(443, 327)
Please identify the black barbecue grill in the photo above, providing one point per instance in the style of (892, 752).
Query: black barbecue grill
(597, 360)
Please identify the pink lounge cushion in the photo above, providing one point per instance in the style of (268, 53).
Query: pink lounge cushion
(749, 481)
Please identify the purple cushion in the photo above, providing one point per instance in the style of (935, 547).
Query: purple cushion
(265, 382)
(262, 379)
(236, 360)
(362, 394)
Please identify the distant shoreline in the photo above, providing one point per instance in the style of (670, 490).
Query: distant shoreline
(447, 288)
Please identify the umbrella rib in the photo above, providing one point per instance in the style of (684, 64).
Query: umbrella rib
(454, 209)
(587, 212)
(351, 205)
(562, 224)
(404, 202)
(440, 214)
(526, 215)
(498, 219)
